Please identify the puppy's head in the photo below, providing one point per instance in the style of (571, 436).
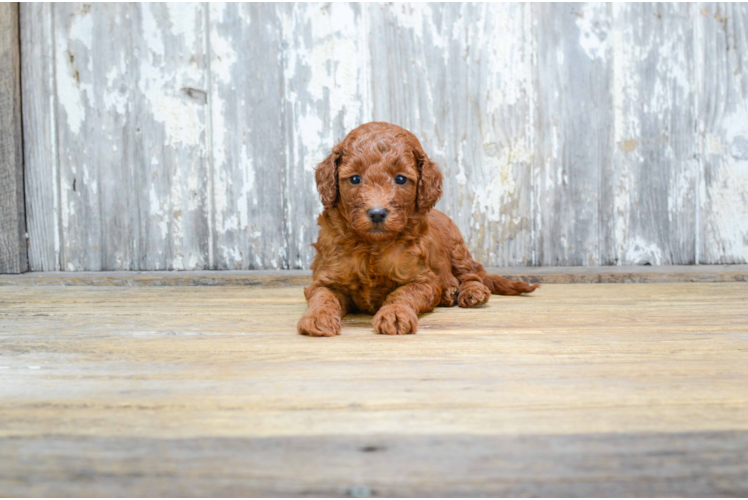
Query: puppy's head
(378, 177)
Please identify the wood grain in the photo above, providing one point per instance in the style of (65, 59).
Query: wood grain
(621, 465)
(569, 134)
(592, 390)
(248, 151)
(174, 163)
(648, 189)
(723, 126)
(573, 127)
(131, 132)
(13, 253)
(41, 171)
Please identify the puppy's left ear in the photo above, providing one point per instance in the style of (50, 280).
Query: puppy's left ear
(429, 181)
(326, 175)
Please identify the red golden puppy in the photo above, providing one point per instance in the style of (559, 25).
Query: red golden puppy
(382, 248)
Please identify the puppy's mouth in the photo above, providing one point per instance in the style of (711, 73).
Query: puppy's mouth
(375, 230)
(379, 235)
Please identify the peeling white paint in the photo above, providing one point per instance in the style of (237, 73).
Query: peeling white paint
(222, 60)
(183, 21)
(311, 146)
(594, 33)
(480, 126)
(726, 200)
(625, 78)
(640, 252)
(626, 125)
(223, 53)
(158, 211)
(183, 125)
(152, 32)
(81, 29)
(509, 69)
(73, 93)
(177, 264)
(114, 99)
(333, 60)
(195, 262)
(232, 254)
(247, 187)
(713, 145)
(56, 201)
(490, 198)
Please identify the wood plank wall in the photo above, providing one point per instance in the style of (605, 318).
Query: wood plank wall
(13, 254)
(184, 136)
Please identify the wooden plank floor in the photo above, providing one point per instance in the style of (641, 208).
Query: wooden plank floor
(581, 389)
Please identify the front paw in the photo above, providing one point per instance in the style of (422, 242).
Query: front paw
(319, 323)
(473, 294)
(395, 320)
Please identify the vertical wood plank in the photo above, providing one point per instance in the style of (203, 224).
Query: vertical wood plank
(460, 78)
(573, 130)
(94, 82)
(648, 190)
(722, 72)
(170, 154)
(326, 92)
(13, 253)
(131, 88)
(77, 130)
(247, 136)
(40, 139)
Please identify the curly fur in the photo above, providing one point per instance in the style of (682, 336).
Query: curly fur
(413, 261)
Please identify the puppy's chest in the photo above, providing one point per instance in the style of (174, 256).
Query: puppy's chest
(369, 297)
(377, 277)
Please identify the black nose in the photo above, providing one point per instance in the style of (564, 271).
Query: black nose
(377, 214)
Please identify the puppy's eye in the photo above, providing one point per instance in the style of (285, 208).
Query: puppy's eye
(355, 179)
(400, 180)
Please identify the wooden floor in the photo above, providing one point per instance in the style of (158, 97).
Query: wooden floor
(580, 389)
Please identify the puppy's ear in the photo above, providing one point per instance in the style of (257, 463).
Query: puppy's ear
(429, 181)
(326, 175)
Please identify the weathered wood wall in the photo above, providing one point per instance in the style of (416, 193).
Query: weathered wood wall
(13, 254)
(185, 136)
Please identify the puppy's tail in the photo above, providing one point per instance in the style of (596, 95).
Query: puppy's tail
(503, 286)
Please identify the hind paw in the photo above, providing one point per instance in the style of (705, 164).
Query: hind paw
(449, 297)
(473, 294)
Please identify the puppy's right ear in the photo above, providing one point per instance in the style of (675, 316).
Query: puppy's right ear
(326, 175)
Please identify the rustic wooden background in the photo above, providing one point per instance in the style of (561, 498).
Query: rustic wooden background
(185, 136)
(13, 255)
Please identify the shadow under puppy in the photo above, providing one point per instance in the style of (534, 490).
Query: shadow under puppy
(382, 248)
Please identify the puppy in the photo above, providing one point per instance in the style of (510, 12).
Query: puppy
(382, 248)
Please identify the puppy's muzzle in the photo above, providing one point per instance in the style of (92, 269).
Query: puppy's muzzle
(377, 215)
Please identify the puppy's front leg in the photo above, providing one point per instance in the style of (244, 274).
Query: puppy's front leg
(326, 309)
(399, 313)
